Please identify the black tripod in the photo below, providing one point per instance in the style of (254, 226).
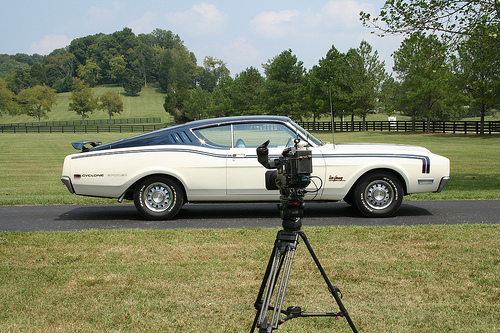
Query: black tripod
(269, 315)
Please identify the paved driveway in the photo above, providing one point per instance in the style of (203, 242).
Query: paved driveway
(227, 215)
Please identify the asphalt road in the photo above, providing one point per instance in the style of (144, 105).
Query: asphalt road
(228, 215)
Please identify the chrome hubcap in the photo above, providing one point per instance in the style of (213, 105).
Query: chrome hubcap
(158, 197)
(379, 194)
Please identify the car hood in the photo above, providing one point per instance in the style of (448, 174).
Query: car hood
(377, 147)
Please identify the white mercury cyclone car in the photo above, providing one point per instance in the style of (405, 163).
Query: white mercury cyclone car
(215, 160)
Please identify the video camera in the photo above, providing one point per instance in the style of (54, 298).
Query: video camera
(294, 167)
(291, 177)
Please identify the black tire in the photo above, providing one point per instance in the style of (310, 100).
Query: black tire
(378, 194)
(158, 197)
(349, 198)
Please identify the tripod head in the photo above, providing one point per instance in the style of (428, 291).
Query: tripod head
(291, 176)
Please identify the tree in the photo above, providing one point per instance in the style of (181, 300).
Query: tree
(178, 68)
(197, 105)
(90, 72)
(174, 102)
(247, 92)
(19, 79)
(60, 64)
(214, 70)
(453, 19)
(38, 74)
(7, 103)
(111, 102)
(365, 77)
(428, 84)
(117, 68)
(285, 74)
(479, 63)
(82, 100)
(331, 90)
(132, 83)
(222, 101)
(37, 101)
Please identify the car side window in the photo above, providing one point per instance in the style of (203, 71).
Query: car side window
(218, 136)
(252, 135)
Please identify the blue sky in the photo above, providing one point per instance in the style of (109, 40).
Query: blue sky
(241, 33)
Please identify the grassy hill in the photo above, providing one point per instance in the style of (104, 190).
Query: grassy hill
(148, 104)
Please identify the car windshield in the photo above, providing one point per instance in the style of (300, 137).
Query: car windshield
(306, 134)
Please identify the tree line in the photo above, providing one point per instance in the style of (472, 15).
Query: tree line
(441, 71)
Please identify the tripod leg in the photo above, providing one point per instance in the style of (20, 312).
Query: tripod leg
(258, 301)
(281, 257)
(333, 290)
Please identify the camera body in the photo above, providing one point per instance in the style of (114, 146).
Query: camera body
(291, 177)
(293, 167)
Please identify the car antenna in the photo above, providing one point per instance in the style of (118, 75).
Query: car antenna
(332, 119)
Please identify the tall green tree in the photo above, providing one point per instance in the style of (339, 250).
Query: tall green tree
(7, 102)
(428, 83)
(19, 79)
(132, 83)
(222, 98)
(330, 85)
(111, 102)
(37, 101)
(366, 75)
(479, 64)
(90, 72)
(197, 105)
(82, 100)
(247, 92)
(117, 68)
(38, 74)
(284, 77)
(214, 70)
(60, 64)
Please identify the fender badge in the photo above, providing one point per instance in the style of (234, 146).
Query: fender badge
(336, 179)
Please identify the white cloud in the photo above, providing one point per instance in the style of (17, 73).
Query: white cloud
(103, 16)
(275, 24)
(49, 43)
(200, 19)
(241, 53)
(144, 24)
(343, 14)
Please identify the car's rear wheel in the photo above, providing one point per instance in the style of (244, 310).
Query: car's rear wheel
(158, 198)
(378, 194)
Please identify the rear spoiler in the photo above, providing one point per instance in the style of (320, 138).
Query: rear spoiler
(80, 145)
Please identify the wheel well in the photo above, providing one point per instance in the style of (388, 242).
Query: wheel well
(129, 193)
(395, 173)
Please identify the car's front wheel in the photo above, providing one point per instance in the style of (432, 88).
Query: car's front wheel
(378, 194)
(158, 198)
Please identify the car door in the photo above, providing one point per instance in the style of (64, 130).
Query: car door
(245, 175)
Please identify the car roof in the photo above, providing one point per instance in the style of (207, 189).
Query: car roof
(225, 120)
(181, 134)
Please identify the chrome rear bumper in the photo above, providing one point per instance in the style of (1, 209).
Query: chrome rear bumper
(442, 184)
(67, 181)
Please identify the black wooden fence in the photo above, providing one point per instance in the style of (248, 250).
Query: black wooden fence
(82, 129)
(465, 127)
(88, 122)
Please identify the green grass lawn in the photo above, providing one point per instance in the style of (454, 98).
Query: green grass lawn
(393, 279)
